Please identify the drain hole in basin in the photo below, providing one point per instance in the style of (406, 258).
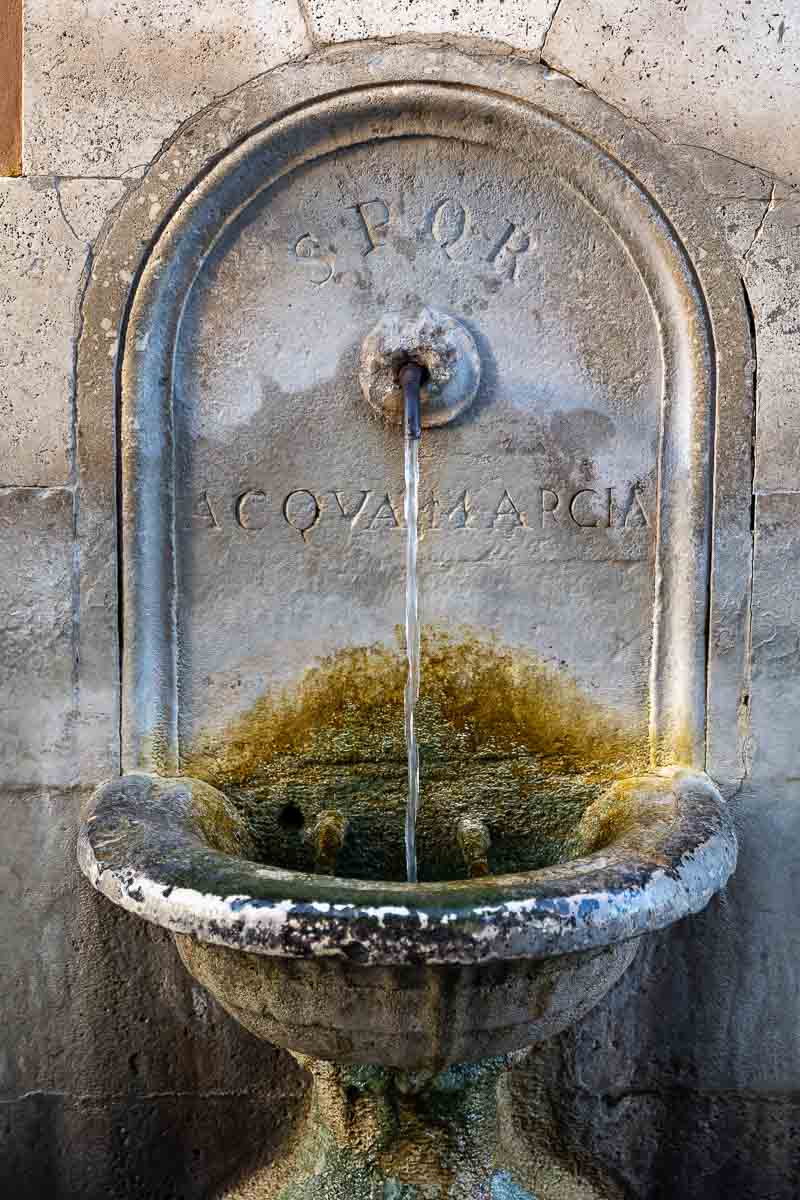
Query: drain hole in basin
(291, 818)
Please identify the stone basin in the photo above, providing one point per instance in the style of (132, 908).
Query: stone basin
(408, 976)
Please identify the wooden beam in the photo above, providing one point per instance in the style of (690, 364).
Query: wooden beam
(10, 87)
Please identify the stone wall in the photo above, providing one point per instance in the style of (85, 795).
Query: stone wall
(118, 1076)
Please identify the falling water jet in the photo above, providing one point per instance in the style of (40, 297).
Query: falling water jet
(433, 350)
(411, 381)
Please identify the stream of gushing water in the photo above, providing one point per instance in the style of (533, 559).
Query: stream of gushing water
(412, 650)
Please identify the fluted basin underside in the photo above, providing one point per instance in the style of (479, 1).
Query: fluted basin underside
(407, 1017)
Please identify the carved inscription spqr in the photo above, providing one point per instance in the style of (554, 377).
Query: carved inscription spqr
(450, 224)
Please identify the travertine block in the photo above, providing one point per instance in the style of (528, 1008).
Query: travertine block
(40, 266)
(776, 638)
(520, 23)
(43, 248)
(106, 83)
(720, 75)
(37, 902)
(772, 276)
(36, 638)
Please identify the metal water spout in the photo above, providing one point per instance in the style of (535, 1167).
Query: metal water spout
(410, 377)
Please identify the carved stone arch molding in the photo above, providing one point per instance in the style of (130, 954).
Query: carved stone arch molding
(657, 280)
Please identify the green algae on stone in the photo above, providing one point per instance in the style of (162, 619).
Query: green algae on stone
(503, 739)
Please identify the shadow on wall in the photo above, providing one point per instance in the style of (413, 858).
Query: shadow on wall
(152, 1089)
(684, 1084)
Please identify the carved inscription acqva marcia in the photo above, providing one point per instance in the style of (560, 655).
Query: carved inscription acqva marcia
(373, 511)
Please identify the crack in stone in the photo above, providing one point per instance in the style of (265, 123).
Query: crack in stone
(550, 25)
(771, 206)
(737, 791)
(48, 179)
(581, 83)
(308, 21)
(739, 162)
(725, 199)
(464, 44)
(44, 488)
(746, 695)
(57, 189)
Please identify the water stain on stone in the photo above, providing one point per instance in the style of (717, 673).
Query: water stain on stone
(503, 738)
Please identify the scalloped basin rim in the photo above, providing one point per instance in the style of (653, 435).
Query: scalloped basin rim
(141, 847)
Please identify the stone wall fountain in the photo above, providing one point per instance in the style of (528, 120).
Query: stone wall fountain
(478, 253)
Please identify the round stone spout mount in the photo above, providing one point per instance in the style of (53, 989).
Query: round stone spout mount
(438, 343)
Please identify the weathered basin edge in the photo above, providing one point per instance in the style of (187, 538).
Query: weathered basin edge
(141, 845)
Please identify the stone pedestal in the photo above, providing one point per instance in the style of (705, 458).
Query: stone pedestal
(377, 1134)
